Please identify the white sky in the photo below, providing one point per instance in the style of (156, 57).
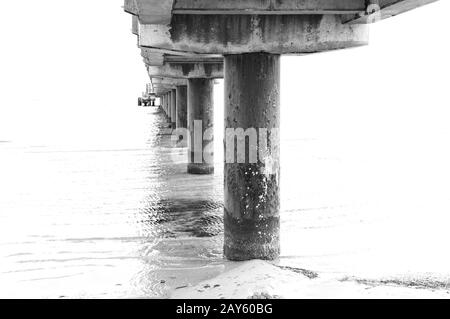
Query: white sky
(64, 67)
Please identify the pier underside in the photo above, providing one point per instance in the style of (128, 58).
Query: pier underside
(186, 44)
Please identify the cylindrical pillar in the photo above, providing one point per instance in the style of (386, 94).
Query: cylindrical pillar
(252, 185)
(173, 108)
(169, 105)
(181, 106)
(164, 104)
(201, 125)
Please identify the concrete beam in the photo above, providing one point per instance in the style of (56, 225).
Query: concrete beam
(168, 81)
(151, 57)
(284, 26)
(161, 11)
(172, 52)
(268, 7)
(206, 59)
(187, 71)
(135, 25)
(158, 58)
(387, 9)
(166, 87)
(150, 11)
(160, 92)
(158, 11)
(130, 6)
(235, 34)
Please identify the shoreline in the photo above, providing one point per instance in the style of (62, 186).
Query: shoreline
(263, 280)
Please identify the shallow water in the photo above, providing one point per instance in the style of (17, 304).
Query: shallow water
(129, 222)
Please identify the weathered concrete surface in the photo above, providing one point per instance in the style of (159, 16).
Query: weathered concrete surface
(150, 11)
(233, 34)
(164, 104)
(170, 82)
(168, 29)
(168, 107)
(182, 100)
(186, 71)
(151, 57)
(159, 91)
(200, 125)
(268, 7)
(173, 108)
(161, 11)
(135, 25)
(158, 57)
(252, 203)
(163, 87)
(198, 58)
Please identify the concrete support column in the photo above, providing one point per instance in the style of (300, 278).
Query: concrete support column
(252, 186)
(169, 105)
(182, 106)
(200, 120)
(164, 103)
(173, 108)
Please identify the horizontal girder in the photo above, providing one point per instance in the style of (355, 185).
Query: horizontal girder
(235, 34)
(187, 71)
(161, 11)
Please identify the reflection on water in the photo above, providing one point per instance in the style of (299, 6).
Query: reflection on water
(130, 222)
(102, 223)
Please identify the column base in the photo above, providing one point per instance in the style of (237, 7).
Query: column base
(200, 169)
(256, 238)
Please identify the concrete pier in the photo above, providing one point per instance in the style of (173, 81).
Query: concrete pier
(169, 103)
(169, 107)
(165, 104)
(173, 108)
(252, 181)
(190, 39)
(182, 100)
(200, 118)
